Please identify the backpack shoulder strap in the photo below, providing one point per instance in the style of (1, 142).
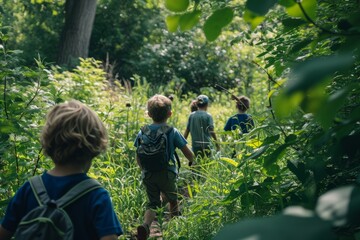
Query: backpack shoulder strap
(145, 130)
(39, 190)
(77, 192)
(170, 129)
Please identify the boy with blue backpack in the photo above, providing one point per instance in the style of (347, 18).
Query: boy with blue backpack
(156, 144)
(64, 202)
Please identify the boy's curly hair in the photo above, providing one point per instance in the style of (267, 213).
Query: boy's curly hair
(158, 107)
(243, 104)
(73, 134)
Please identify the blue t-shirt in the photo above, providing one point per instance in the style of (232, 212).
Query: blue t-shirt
(243, 120)
(176, 140)
(92, 215)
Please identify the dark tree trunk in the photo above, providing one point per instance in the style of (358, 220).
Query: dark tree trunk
(75, 37)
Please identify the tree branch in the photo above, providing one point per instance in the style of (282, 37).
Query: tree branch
(320, 27)
(271, 79)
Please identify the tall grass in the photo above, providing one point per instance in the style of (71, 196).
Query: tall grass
(202, 191)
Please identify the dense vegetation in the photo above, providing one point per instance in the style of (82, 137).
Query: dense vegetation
(297, 61)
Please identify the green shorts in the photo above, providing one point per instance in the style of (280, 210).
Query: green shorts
(156, 182)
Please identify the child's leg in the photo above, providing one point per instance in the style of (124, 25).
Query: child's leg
(174, 209)
(153, 194)
(149, 216)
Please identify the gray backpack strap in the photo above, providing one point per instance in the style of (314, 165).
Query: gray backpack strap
(77, 192)
(146, 130)
(39, 190)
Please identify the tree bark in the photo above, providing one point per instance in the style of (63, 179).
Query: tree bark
(75, 37)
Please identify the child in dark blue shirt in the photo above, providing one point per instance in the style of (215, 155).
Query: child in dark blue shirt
(72, 136)
(241, 120)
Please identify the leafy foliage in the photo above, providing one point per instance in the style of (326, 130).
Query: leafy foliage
(297, 61)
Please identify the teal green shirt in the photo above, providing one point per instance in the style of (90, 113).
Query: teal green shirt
(200, 124)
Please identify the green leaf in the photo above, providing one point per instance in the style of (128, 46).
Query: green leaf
(287, 3)
(328, 110)
(260, 8)
(354, 115)
(215, 23)
(177, 5)
(235, 193)
(7, 127)
(300, 45)
(252, 18)
(230, 161)
(354, 207)
(285, 104)
(299, 170)
(309, 8)
(189, 20)
(274, 156)
(314, 71)
(290, 138)
(271, 139)
(291, 23)
(172, 22)
(257, 153)
(279, 227)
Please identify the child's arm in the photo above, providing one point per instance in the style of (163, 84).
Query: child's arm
(188, 154)
(186, 133)
(109, 237)
(138, 161)
(5, 234)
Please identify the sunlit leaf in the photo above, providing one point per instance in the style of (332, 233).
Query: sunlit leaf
(260, 8)
(177, 5)
(189, 20)
(215, 23)
(287, 3)
(253, 19)
(309, 8)
(314, 98)
(230, 161)
(284, 104)
(190, 191)
(172, 22)
(271, 93)
(254, 143)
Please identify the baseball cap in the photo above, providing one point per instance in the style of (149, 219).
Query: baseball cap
(203, 99)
